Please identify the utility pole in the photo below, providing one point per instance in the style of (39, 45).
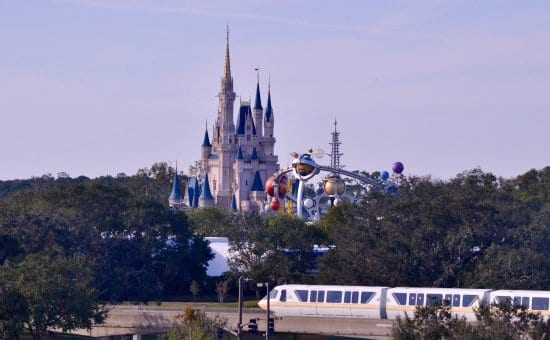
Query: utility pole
(267, 313)
(240, 324)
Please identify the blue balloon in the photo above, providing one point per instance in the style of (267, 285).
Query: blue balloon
(384, 175)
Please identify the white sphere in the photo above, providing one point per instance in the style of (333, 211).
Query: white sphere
(267, 207)
(308, 203)
(337, 201)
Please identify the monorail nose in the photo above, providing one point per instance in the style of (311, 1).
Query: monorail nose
(262, 303)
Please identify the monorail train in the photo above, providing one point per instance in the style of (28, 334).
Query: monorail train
(388, 303)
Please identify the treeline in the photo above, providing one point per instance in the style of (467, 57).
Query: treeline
(474, 230)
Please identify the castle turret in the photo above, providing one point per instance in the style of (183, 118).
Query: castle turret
(206, 148)
(175, 201)
(258, 110)
(269, 123)
(206, 199)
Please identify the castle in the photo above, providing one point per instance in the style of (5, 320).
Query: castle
(238, 160)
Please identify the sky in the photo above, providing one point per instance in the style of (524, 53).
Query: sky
(102, 87)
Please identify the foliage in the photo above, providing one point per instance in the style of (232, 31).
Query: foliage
(194, 324)
(222, 288)
(473, 231)
(50, 292)
(194, 289)
(139, 244)
(500, 321)
(431, 322)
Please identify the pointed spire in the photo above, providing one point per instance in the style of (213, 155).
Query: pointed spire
(254, 155)
(227, 69)
(176, 195)
(258, 101)
(269, 109)
(257, 184)
(234, 203)
(206, 140)
(240, 154)
(206, 199)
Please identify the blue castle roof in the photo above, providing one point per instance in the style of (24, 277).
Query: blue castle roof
(258, 101)
(257, 185)
(176, 188)
(269, 109)
(254, 154)
(234, 203)
(245, 113)
(240, 154)
(206, 140)
(206, 193)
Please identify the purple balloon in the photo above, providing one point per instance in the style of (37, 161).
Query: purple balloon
(398, 167)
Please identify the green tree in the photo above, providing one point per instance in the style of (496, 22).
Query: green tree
(57, 293)
(501, 321)
(13, 311)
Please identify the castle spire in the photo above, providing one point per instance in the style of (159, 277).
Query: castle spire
(258, 101)
(269, 109)
(206, 140)
(227, 69)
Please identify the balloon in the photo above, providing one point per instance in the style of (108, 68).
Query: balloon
(398, 167)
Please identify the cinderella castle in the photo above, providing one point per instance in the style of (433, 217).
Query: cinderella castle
(238, 159)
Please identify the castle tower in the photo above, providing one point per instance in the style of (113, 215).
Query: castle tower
(224, 147)
(239, 157)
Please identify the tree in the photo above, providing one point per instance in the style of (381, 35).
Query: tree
(56, 292)
(194, 289)
(431, 322)
(13, 311)
(222, 288)
(497, 321)
(194, 324)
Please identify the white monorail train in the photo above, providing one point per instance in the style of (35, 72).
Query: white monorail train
(388, 303)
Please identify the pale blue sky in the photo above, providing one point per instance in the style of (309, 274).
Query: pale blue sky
(96, 87)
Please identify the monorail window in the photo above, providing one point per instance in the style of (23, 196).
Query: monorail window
(420, 300)
(468, 300)
(412, 299)
(539, 303)
(521, 301)
(321, 296)
(334, 296)
(313, 296)
(366, 296)
(401, 298)
(301, 294)
(447, 300)
(355, 297)
(273, 294)
(501, 299)
(456, 300)
(434, 299)
(347, 297)
(283, 295)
